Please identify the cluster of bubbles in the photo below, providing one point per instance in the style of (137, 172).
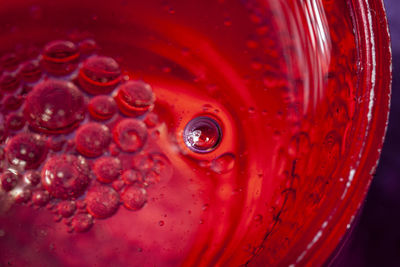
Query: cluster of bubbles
(74, 134)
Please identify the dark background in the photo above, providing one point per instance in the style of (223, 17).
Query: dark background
(375, 241)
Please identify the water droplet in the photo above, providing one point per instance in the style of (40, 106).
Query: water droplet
(202, 134)
(223, 163)
(82, 222)
(40, 198)
(60, 57)
(132, 176)
(54, 106)
(65, 176)
(102, 201)
(26, 150)
(102, 107)
(134, 98)
(130, 135)
(99, 75)
(134, 197)
(66, 208)
(9, 180)
(107, 169)
(92, 139)
(30, 71)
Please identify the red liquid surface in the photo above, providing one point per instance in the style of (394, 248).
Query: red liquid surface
(96, 168)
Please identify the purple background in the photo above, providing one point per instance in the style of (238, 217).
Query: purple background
(375, 241)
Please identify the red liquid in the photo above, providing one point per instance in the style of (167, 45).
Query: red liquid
(105, 115)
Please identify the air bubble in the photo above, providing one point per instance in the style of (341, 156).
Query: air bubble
(55, 106)
(65, 176)
(40, 198)
(130, 135)
(87, 47)
(223, 163)
(135, 98)
(107, 169)
(102, 201)
(26, 150)
(82, 222)
(102, 107)
(15, 122)
(92, 139)
(23, 196)
(132, 176)
(32, 177)
(134, 197)
(202, 134)
(30, 71)
(9, 82)
(12, 102)
(99, 75)
(60, 57)
(9, 61)
(66, 208)
(161, 170)
(9, 180)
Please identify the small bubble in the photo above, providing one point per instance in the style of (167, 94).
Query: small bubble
(30, 71)
(27, 150)
(66, 208)
(82, 222)
(12, 102)
(135, 98)
(15, 121)
(9, 180)
(88, 47)
(92, 139)
(32, 177)
(102, 201)
(9, 61)
(23, 196)
(130, 135)
(134, 197)
(102, 107)
(40, 198)
(55, 106)
(107, 169)
(223, 163)
(9, 82)
(99, 75)
(132, 176)
(60, 57)
(65, 176)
